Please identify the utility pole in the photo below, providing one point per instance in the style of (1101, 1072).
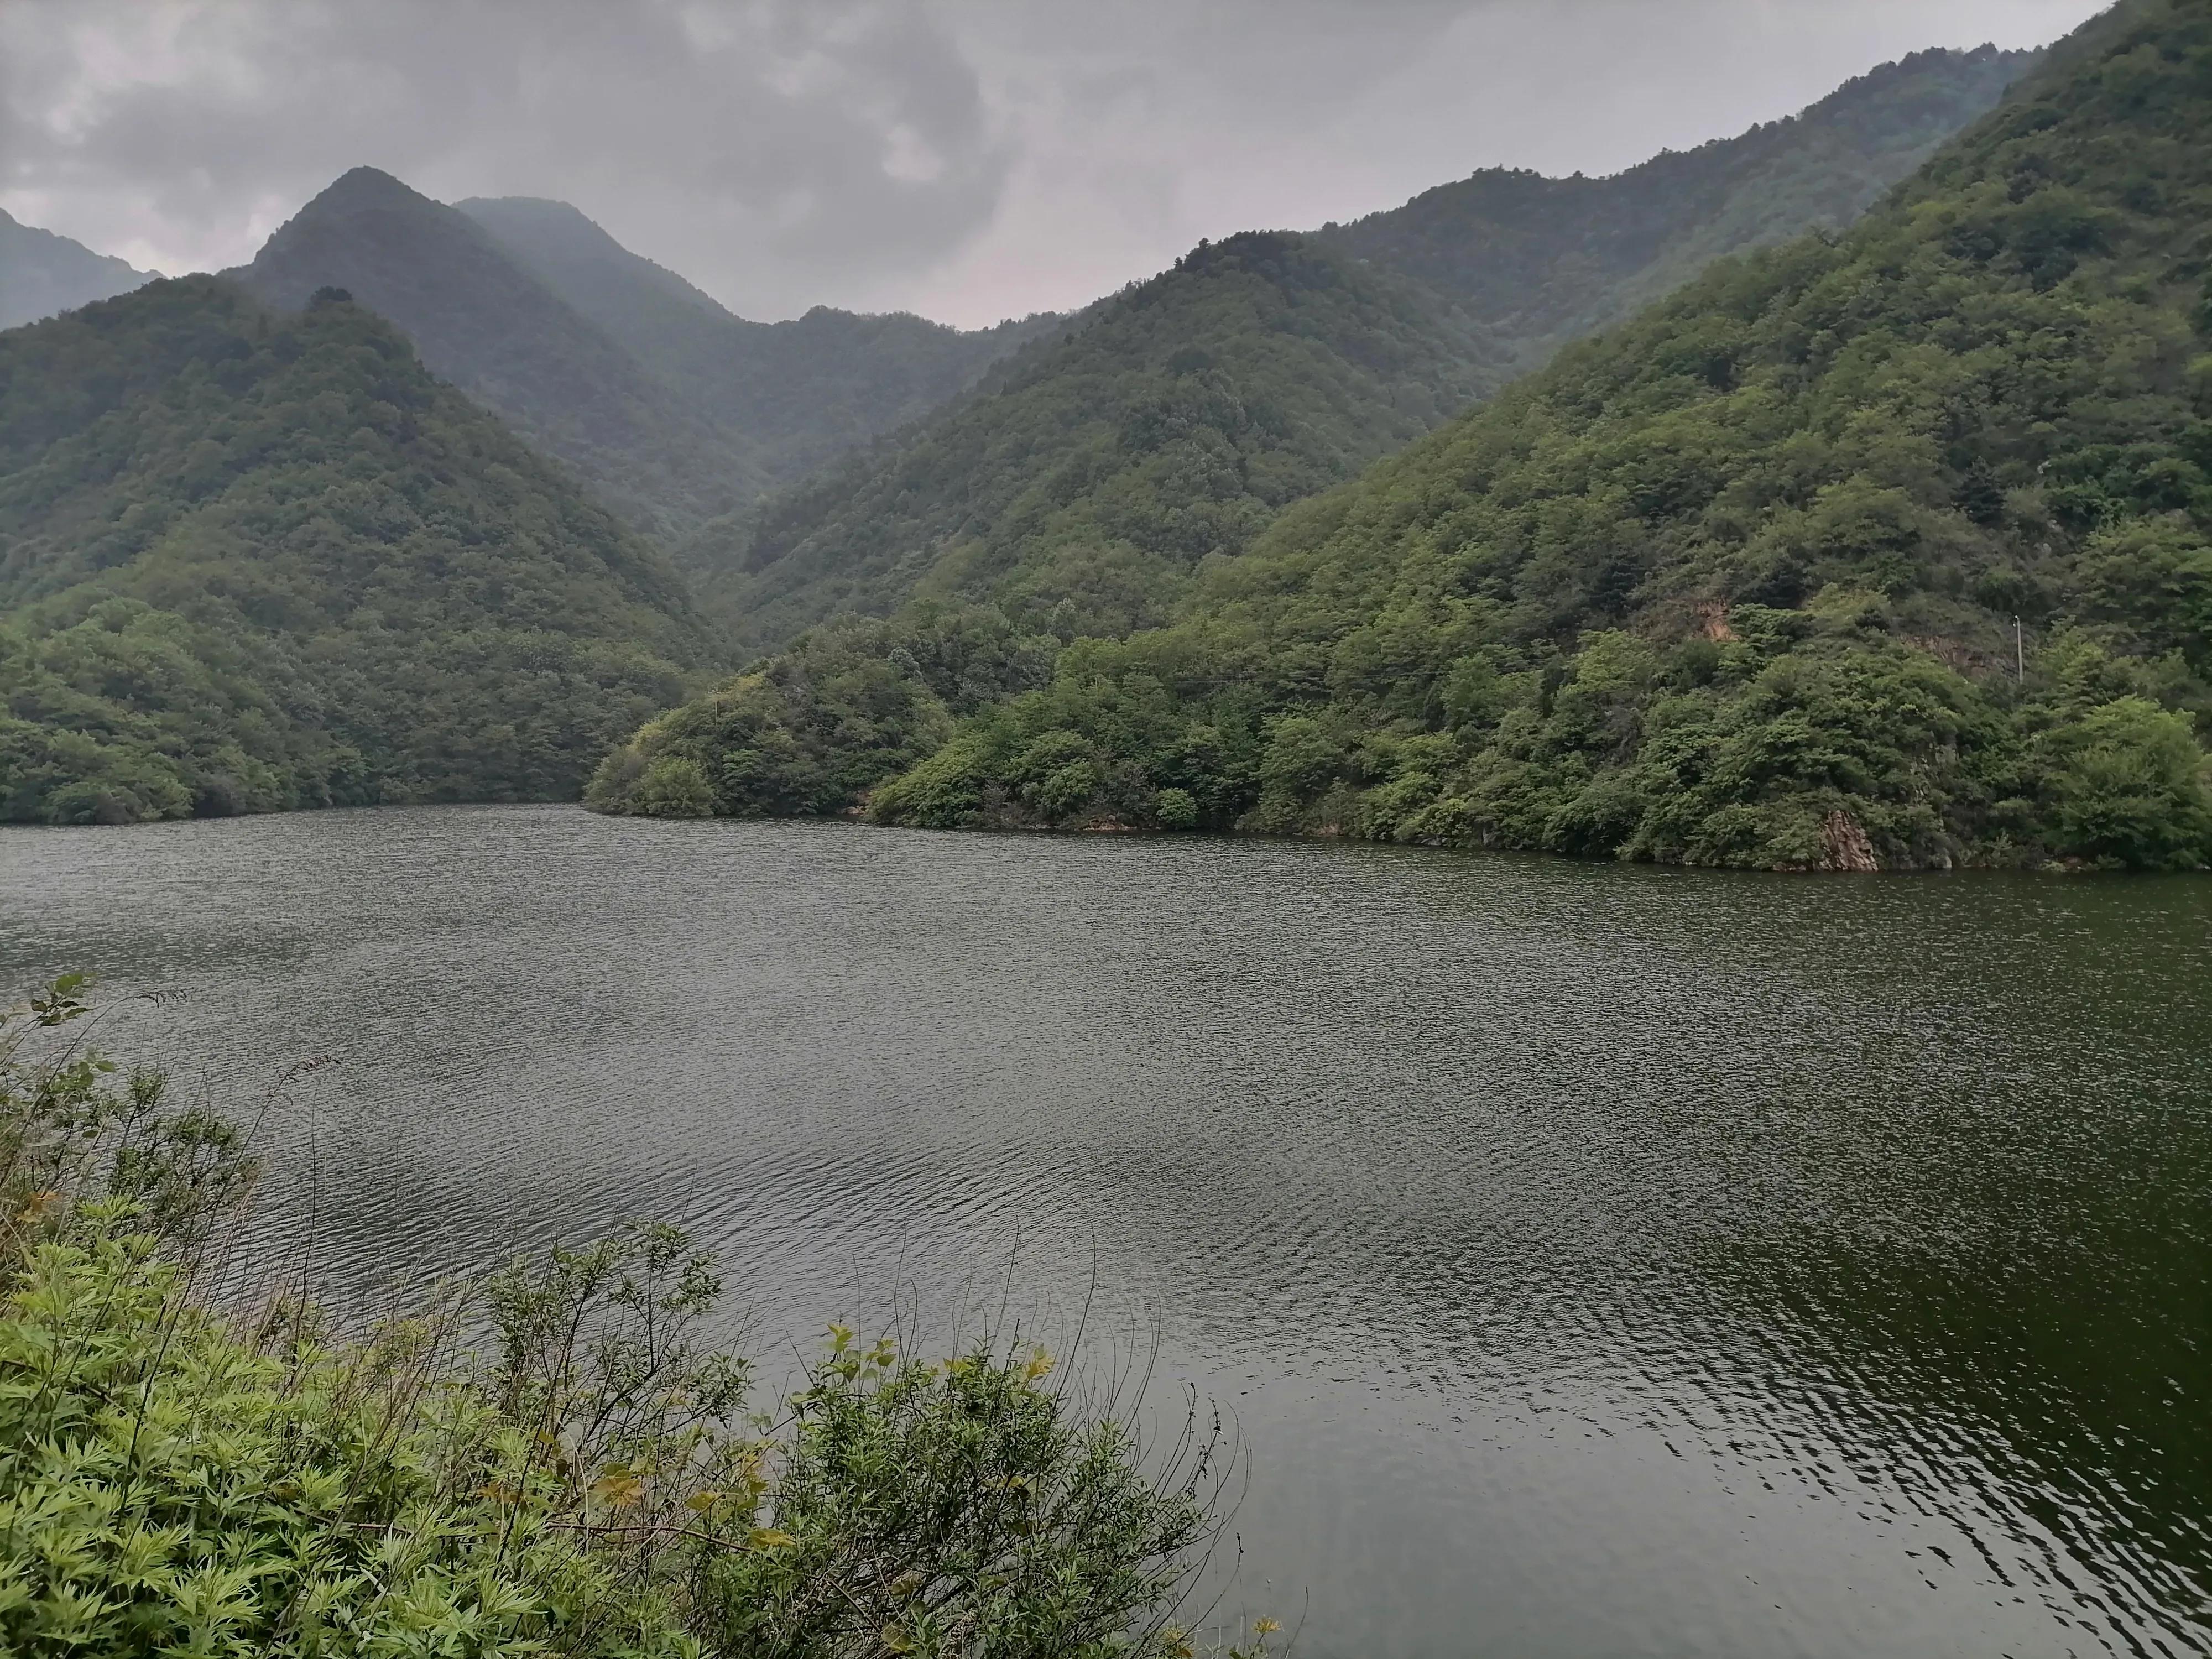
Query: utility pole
(2019, 654)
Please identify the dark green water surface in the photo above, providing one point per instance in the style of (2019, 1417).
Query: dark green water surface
(1595, 1261)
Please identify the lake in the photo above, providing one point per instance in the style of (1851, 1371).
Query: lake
(1592, 1260)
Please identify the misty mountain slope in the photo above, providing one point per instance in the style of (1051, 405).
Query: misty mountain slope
(488, 324)
(41, 274)
(1089, 475)
(1028, 493)
(251, 560)
(798, 393)
(1547, 260)
(1736, 583)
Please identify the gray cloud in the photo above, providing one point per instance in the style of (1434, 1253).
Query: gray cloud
(816, 136)
(966, 158)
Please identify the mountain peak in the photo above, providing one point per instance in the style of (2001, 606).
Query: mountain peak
(42, 273)
(363, 215)
(367, 187)
(484, 321)
(367, 230)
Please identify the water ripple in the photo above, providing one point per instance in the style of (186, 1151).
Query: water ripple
(1597, 1261)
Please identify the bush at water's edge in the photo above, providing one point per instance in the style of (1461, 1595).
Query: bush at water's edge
(180, 1476)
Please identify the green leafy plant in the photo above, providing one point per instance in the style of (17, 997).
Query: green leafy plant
(77, 1127)
(180, 1476)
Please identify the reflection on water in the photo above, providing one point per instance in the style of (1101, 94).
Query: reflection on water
(1599, 1261)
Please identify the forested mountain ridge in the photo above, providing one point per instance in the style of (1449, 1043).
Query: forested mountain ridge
(1044, 485)
(484, 323)
(1092, 471)
(672, 409)
(1734, 584)
(251, 560)
(1544, 261)
(797, 393)
(42, 273)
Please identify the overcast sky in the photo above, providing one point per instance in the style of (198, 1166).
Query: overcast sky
(966, 158)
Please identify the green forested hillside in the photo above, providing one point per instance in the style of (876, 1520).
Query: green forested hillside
(251, 561)
(41, 273)
(1736, 583)
(484, 323)
(796, 394)
(1096, 469)
(1170, 422)
(1544, 261)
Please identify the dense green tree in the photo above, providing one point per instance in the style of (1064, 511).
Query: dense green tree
(815, 728)
(1738, 583)
(250, 561)
(1083, 482)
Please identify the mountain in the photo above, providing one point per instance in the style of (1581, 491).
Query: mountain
(1170, 422)
(41, 273)
(1092, 472)
(251, 560)
(672, 409)
(485, 323)
(798, 393)
(1889, 548)
(1544, 261)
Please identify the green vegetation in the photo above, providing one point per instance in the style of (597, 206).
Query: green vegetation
(41, 273)
(1094, 470)
(1078, 488)
(250, 561)
(1090, 487)
(183, 1475)
(1736, 583)
(811, 730)
(483, 323)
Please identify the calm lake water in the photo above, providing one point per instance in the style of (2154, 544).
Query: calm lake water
(1595, 1261)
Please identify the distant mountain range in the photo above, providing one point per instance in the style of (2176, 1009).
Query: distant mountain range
(672, 409)
(1087, 476)
(798, 393)
(42, 274)
(1544, 261)
(486, 323)
(688, 421)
